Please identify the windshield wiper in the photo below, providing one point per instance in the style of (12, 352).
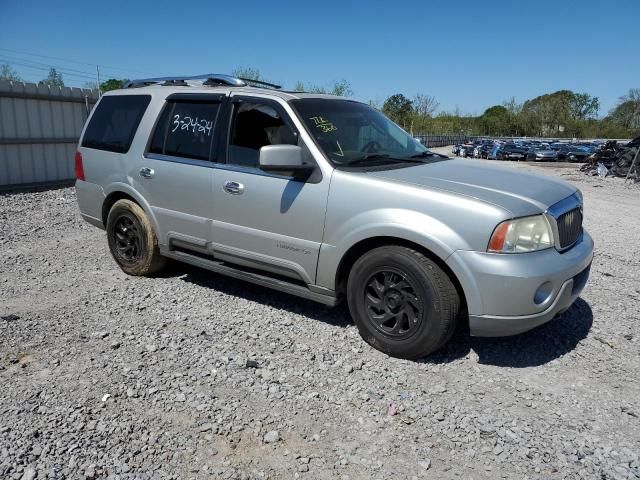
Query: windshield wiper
(369, 156)
(428, 153)
(386, 156)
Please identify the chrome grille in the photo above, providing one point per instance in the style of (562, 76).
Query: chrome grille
(569, 227)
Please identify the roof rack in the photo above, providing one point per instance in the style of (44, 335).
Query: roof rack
(259, 83)
(209, 79)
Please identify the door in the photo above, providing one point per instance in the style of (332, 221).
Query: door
(176, 174)
(265, 221)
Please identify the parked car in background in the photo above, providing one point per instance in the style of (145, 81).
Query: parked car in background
(485, 149)
(468, 150)
(511, 151)
(572, 153)
(542, 154)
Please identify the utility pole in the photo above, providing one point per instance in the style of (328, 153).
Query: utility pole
(98, 76)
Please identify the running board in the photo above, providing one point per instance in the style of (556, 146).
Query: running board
(257, 278)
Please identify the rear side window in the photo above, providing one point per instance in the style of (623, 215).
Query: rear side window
(185, 129)
(114, 123)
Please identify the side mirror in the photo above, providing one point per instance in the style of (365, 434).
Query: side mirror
(284, 160)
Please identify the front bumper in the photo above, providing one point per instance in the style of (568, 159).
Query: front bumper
(502, 326)
(503, 290)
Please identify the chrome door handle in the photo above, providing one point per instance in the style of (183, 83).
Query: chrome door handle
(146, 172)
(234, 188)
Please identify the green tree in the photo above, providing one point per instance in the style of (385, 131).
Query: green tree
(627, 112)
(559, 112)
(583, 106)
(8, 73)
(113, 84)
(398, 108)
(54, 79)
(496, 120)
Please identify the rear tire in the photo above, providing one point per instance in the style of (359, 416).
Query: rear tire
(132, 242)
(402, 302)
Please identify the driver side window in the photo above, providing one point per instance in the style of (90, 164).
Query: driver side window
(255, 125)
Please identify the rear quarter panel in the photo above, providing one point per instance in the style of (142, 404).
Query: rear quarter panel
(109, 172)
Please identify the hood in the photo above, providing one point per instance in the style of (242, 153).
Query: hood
(520, 193)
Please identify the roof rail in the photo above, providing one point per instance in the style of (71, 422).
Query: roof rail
(260, 83)
(208, 79)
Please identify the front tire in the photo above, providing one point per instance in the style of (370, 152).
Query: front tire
(132, 242)
(402, 302)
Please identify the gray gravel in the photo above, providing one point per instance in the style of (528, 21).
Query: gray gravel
(193, 375)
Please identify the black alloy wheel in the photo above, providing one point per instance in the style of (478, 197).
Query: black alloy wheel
(392, 304)
(402, 302)
(128, 240)
(131, 238)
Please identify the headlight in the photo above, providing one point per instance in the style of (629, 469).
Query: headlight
(527, 234)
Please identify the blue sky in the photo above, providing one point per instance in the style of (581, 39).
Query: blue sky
(467, 54)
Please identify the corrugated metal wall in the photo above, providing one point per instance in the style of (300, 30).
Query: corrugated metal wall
(39, 131)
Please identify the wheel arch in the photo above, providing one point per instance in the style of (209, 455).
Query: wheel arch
(123, 191)
(363, 246)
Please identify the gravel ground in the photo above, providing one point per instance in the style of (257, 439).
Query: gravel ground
(194, 375)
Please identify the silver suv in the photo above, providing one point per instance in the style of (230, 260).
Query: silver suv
(326, 198)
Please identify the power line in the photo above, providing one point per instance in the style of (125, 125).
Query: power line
(33, 63)
(46, 69)
(74, 61)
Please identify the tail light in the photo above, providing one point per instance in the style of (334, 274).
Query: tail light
(79, 167)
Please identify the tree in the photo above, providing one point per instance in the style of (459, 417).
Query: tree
(583, 106)
(512, 106)
(557, 112)
(627, 112)
(425, 105)
(8, 73)
(113, 84)
(248, 73)
(341, 88)
(54, 79)
(398, 108)
(496, 120)
(548, 114)
(375, 104)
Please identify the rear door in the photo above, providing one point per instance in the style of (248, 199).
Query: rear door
(265, 221)
(176, 173)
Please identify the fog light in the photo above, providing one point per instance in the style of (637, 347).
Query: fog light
(543, 293)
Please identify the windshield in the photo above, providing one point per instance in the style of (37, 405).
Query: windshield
(352, 133)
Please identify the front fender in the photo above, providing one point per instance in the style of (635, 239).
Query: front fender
(412, 226)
